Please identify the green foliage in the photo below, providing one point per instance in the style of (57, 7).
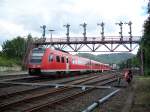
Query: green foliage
(14, 50)
(4, 61)
(108, 58)
(130, 63)
(87, 55)
(116, 57)
(141, 94)
(145, 43)
(135, 61)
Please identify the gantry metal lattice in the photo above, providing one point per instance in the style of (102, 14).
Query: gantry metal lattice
(91, 44)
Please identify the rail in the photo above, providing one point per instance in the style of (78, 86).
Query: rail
(62, 88)
(61, 99)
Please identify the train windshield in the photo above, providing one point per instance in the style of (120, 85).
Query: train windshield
(36, 56)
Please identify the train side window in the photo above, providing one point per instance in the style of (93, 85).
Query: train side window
(57, 59)
(73, 61)
(67, 60)
(62, 59)
(50, 57)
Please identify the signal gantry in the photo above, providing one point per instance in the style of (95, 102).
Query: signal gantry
(92, 44)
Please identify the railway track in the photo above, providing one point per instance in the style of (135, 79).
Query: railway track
(9, 84)
(11, 76)
(15, 88)
(34, 79)
(46, 91)
(27, 78)
(37, 89)
(65, 98)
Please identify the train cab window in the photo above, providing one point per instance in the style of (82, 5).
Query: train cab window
(50, 57)
(62, 59)
(57, 59)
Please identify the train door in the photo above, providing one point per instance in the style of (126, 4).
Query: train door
(90, 65)
(67, 63)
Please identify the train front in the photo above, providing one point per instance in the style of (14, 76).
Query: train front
(35, 61)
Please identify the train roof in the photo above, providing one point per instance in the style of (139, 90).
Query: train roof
(65, 52)
(61, 50)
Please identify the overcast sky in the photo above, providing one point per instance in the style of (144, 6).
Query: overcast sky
(21, 17)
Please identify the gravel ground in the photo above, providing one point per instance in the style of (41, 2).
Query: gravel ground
(120, 102)
(48, 98)
(15, 88)
(2, 85)
(10, 88)
(11, 73)
(82, 102)
(48, 79)
(2, 77)
(79, 103)
(6, 88)
(23, 95)
(76, 104)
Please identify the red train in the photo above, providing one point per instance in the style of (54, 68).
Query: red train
(46, 60)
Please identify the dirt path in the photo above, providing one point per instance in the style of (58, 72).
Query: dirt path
(129, 102)
(134, 97)
(121, 102)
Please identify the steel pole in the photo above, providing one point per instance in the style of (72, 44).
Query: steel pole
(100, 101)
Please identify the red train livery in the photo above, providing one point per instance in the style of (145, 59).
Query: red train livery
(46, 60)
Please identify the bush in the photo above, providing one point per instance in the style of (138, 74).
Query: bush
(147, 71)
(4, 61)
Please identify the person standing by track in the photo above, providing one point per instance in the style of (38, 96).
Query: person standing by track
(128, 75)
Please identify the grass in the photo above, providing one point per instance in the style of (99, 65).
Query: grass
(4, 61)
(143, 90)
(142, 95)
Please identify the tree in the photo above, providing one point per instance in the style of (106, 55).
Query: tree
(145, 43)
(14, 48)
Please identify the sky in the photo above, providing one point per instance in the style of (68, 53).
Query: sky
(23, 17)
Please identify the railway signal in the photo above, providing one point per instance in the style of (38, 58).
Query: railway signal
(130, 29)
(121, 35)
(102, 33)
(84, 25)
(44, 29)
(51, 31)
(67, 34)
